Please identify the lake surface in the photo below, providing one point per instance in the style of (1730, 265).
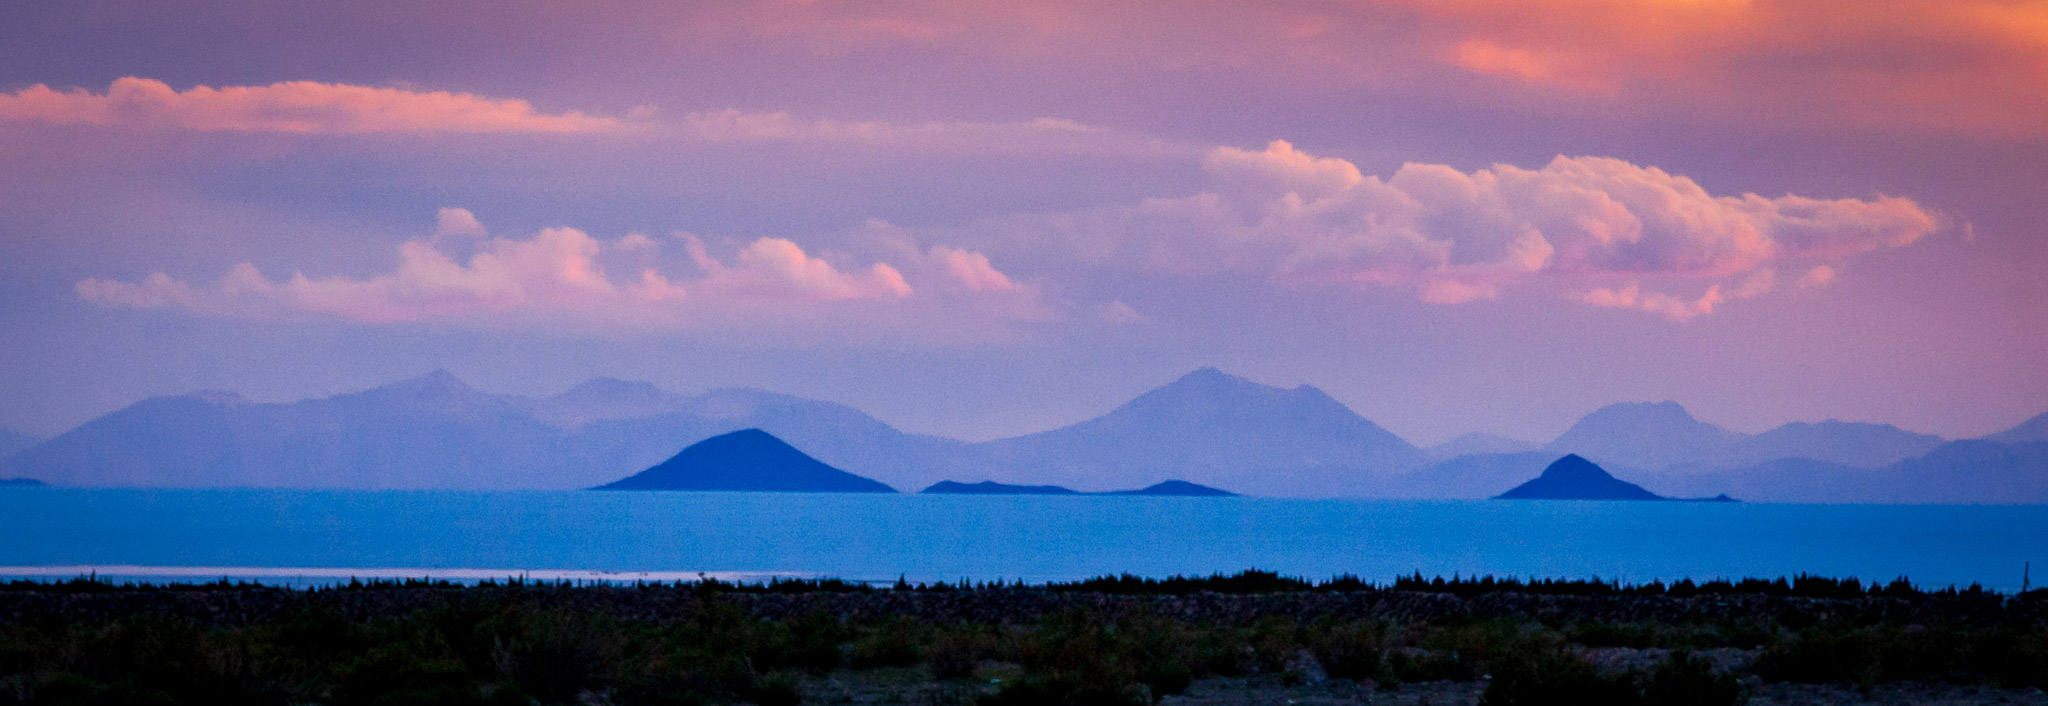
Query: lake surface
(294, 536)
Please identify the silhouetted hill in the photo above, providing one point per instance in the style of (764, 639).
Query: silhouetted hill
(2035, 429)
(1212, 428)
(1477, 443)
(1177, 488)
(1575, 478)
(989, 487)
(746, 460)
(20, 481)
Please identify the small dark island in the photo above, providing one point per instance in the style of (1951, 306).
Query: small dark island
(1176, 488)
(1575, 478)
(746, 460)
(989, 487)
(20, 481)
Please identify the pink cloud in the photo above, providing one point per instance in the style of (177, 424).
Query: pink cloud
(559, 278)
(1671, 307)
(972, 270)
(292, 106)
(1457, 237)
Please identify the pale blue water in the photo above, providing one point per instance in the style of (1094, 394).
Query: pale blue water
(1007, 537)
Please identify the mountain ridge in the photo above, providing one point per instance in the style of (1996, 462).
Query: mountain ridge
(1208, 426)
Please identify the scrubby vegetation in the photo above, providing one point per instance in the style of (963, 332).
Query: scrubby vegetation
(1119, 640)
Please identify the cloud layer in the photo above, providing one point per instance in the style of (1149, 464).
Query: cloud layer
(561, 277)
(1455, 237)
(292, 107)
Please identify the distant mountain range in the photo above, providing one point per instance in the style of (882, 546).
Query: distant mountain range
(1663, 435)
(1208, 428)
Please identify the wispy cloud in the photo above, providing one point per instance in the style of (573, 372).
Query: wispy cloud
(1040, 135)
(291, 107)
(1935, 66)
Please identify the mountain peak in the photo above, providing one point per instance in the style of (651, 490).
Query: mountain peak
(439, 380)
(1575, 468)
(1646, 434)
(1209, 376)
(1666, 410)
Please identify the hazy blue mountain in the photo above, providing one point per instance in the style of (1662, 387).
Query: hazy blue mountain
(838, 435)
(1177, 488)
(1970, 471)
(435, 432)
(20, 481)
(1211, 428)
(600, 399)
(1662, 435)
(989, 487)
(1847, 443)
(425, 432)
(1477, 443)
(1575, 478)
(2035, 429)
(746, 460)
(1646, 434)
(12, 441)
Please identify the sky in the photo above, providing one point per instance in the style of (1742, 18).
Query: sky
(986, 219)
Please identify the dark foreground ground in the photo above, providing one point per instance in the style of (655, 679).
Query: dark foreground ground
(1248, 639)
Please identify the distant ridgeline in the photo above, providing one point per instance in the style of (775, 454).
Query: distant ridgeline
(747, 460)
(1575, 478)
(1179, 488)
(1208, 427)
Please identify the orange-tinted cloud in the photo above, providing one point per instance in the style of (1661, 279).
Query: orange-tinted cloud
(292, 106)
(1941, 66)
(1974, 67)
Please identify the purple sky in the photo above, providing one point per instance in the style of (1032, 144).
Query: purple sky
(1477, 215)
